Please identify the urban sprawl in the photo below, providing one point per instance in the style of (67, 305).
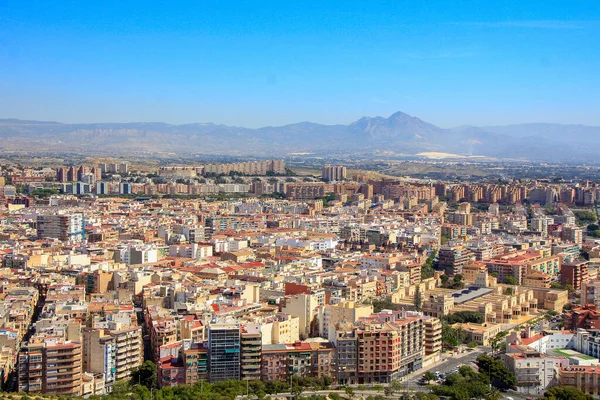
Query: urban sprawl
(246, 271)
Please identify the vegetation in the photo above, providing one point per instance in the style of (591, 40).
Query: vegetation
(225, 390)
(510, 280)
(429, 376)
(427, 268)
(43, 193)
(465, 385)
(385, 304)
(455, 283)
(593, 230)
(566, 393)
(585, 217)
(418, 299)
(275, 195)
(452, 337)
(499, 375)
(463, 317)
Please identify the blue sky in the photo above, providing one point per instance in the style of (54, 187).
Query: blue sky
(275, 62)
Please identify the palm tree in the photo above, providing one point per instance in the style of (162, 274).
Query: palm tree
(494, 394)
(349, 392)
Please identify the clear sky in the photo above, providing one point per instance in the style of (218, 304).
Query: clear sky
(256, 63)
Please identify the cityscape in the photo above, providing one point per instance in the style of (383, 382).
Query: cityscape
(316, 200)
(341, 281)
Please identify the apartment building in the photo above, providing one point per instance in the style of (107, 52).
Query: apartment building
(196, 365)
(66, 227)
(452, 259)
(313, 358)
(574, 273)
(224, 345)
(534, 371)
(345, 340)
(305, 191)
(389, 350)
(333, 173)
(250, 352)
(432, 342)
(52, 367)
(584, 378)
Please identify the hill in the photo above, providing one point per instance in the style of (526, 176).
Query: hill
(400, 134)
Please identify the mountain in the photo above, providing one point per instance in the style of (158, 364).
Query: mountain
(398, 134)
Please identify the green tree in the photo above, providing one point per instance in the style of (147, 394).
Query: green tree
(510, 280)
(145, 375)
(494, 394)
(429, 376)
(500, 376)
(418, 298)
(349, 392)
(444, 278)
(396, 386)
(566, 393)
(427, 268)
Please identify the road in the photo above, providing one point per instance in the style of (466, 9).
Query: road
(446, 366)
(411, 380)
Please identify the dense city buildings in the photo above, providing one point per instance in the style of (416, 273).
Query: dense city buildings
(244, 271)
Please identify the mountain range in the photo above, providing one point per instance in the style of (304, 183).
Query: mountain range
(400, 135)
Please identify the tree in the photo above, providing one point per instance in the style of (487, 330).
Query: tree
(472, 345)
(500, 376)
(396, 386)
(464, 317)
(429, 376)
(296, 390)
(449, 336)
(458, 278)
(349, 392)
(444, 278)
(418, 298)
(427, 268)
(510, 280)
(566, 393)
(494, 394)
(145, 375)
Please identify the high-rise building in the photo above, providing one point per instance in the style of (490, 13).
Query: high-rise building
(102, 188)
(125, 188)
(305, 191)
(66, 227)
(50, 367)
(61, 174)
(390, 350)
(333, 173)
(452, 259)
(224, 351)
(251, 346)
